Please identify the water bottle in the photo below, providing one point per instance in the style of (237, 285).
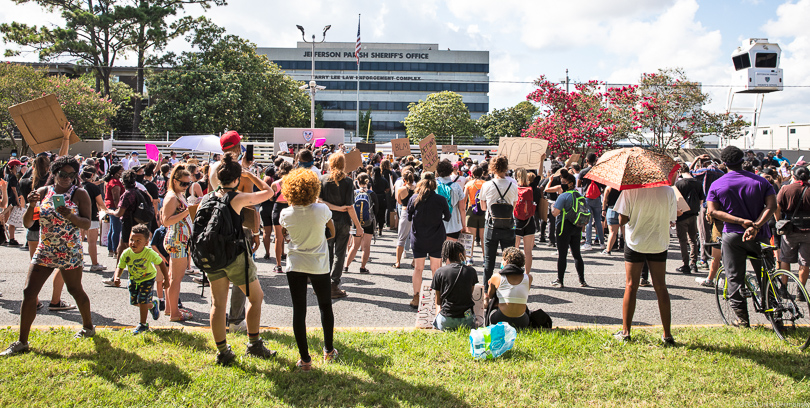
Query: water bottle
(477, 344)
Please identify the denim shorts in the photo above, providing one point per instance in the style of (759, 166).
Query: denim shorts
(451, 323)
(612, 217)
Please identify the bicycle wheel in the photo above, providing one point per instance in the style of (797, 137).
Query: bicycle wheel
(787, 301)
(723, 305)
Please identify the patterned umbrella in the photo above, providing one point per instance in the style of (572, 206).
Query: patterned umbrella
(626, 169)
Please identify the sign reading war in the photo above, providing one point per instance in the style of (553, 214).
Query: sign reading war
(523, 151)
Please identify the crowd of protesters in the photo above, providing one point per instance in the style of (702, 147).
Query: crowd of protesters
(313, 215)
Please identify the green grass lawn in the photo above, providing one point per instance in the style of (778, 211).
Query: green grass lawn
(709, 367)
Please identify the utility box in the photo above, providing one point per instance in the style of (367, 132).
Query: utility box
(756, 65)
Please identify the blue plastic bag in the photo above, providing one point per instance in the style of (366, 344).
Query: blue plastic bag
(492, 341)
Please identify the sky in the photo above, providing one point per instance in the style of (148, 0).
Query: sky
(613, 41)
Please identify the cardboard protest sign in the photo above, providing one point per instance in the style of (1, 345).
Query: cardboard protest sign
(426, 313)
(449, 149)
(573, 159)
(282, 146)
(401, 147)
(288, 159)
(467, 240)
(366, 147)
(451, 157)
(250, 216)
(354, 159)
(478, 309)
(524, 152)
(430, 156)
(192, 211)
(320, 142)
(682, 204)
(40, 121)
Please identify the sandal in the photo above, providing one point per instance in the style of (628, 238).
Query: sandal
(278, 269)
(184, 316)
(396, 266)
(304, 367)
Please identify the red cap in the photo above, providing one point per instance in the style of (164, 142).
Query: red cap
(14, 162)
(229, 140)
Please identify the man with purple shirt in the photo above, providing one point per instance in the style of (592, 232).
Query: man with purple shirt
(744, 202)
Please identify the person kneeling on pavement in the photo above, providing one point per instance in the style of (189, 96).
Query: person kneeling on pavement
(453, 284)
(510, 289)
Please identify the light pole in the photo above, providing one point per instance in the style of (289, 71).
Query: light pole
(313, 86)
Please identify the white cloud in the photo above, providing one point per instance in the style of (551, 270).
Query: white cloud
(453, 27)
(790, 31)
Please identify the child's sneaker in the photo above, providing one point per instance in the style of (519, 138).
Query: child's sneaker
(142, 327)
(155, 309)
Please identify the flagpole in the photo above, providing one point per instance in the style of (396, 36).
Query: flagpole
(357, 56)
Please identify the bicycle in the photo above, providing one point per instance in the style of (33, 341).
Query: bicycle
(785, 304)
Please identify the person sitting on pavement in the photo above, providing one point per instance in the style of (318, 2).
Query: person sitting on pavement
(511, 285)
(453, 284)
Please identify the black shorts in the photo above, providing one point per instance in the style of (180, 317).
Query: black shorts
(638, 257)
(454, 235)
(266, 213)
(528, 229)
(368, 230)
(277, 212)
(432, 254)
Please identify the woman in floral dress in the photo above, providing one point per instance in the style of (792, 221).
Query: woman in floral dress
(60, 246)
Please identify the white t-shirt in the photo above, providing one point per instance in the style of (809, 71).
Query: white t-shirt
(457, 194)
(650, 210)
(125, 163)
(489, 194)
(306, 225)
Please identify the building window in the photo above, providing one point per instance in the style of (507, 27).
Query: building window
(765, 132)
(387, 106)
(792, 131)
(384, 66)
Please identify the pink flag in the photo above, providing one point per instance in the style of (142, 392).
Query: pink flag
(152, 152)
(320, 142)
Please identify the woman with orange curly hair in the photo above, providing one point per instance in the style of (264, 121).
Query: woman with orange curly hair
(304, 221)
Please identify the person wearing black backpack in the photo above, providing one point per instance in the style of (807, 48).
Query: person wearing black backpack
(569, 234)
(686, 225)
(131, 202)
(241, 271)
(498, 197)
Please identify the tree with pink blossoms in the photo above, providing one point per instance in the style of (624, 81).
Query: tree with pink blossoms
(587, 119)
(669, 112)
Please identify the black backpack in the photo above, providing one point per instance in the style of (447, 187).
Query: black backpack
(501, 213)
(217, 238)
(143, 212)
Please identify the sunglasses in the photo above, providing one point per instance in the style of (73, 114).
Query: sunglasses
(66, 175)
(183, 184)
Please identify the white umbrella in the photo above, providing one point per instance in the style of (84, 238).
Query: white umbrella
(200, 143)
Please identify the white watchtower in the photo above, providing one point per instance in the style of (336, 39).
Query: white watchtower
(756, 65)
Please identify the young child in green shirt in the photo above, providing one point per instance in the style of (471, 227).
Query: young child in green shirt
(140, 261)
